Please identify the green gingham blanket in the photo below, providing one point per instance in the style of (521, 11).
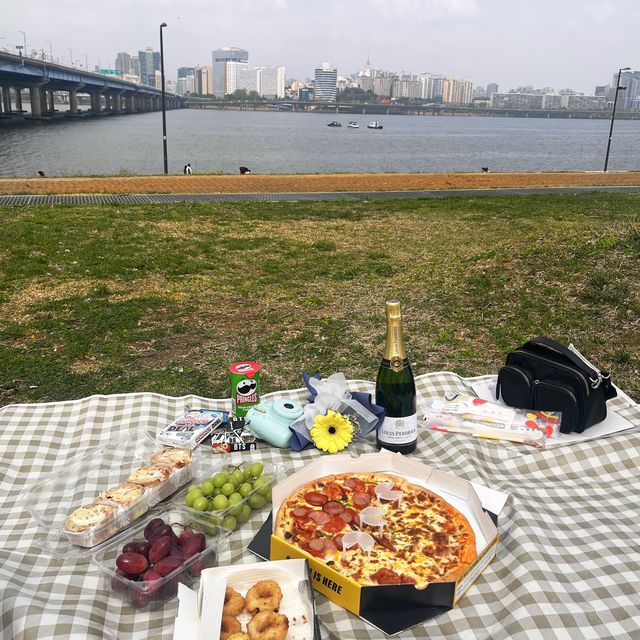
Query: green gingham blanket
(568, 563)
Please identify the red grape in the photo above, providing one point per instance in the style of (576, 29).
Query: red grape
(165, 566)
(153, 579)
(185, 535)
(160, 548)
(132, 563)
(139, 599)
(194, 545)
(143, 549)
(152, 526)
(130, 546)
(204, 562)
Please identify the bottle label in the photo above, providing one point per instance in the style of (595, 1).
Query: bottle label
(399, 430)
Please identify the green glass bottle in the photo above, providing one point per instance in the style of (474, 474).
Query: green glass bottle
(396, 390)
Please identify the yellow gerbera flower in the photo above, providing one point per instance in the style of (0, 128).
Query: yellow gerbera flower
(332, 432)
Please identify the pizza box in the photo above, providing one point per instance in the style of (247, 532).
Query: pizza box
(200, 613)
(390, 608)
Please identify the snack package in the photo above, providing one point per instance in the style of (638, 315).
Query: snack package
(232, 436)
(191, 428)
(459, 413)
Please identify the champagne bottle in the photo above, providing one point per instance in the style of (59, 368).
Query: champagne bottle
(396, 390)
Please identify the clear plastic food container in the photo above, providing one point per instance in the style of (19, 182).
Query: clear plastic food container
(230, 501)
(96, 488)
(158, 566)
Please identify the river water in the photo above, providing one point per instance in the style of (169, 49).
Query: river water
(283, 142)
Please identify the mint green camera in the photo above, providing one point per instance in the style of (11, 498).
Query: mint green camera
(270, 421)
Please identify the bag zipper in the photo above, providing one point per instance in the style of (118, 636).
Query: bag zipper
(558, 365)
(599, 377)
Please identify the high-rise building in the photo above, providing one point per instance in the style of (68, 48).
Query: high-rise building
(272, 82)
(203, 81)
(325, 87)
(492, 88)
(183, 72)
(149, 63)
(123, 63)
(226, 62)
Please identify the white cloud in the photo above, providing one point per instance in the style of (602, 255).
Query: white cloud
(432, 9)
(601, 11)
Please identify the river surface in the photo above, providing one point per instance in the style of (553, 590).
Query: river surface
(283, 142)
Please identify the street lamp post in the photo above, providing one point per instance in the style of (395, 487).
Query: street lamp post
(24, 38)
(613, 114)
(164, 112)
(50, 49)
(70, 57)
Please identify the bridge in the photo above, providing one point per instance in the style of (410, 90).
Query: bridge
(43, 79)
(380, 109)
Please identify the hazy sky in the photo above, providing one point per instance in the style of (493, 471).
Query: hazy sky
(556, 43)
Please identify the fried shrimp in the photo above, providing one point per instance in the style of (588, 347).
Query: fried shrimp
(268, 625)
(233, 603)
(263, 596)
(230, 625)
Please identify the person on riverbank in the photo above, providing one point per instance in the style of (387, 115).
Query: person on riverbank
(245, 170)
(187, 170)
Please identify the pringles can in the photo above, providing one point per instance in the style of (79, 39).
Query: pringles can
(245, 387)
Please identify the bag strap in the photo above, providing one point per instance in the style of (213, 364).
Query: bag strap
(594, 375)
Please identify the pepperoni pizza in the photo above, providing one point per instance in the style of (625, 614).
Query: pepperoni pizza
(423, 538)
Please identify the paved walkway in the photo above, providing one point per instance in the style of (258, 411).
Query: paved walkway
(158, 198)
(314, 183)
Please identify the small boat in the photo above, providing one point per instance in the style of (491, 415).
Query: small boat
(374, 125)
(353, 125)
(334, 123)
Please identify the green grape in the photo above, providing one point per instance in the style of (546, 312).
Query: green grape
(245, 489)
(227, 489)
(229, 522)
(207, 488)
(195, 488)
(234, 498)
(220, 478)
(220, 502)
(256, 501)
(210, 506)
(190, 498)
(237, 477)
(247, 475)
(201, 503)
(263, 485)
(236, 510)
(245, 513)
(256, 469)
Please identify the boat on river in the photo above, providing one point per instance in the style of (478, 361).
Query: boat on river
(374, 124)
(353, 125)
(334, 123)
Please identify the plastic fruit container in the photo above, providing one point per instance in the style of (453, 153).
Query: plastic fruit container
(148, 577)
(225, 499)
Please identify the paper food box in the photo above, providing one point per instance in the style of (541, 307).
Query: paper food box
(200, 613)
(394, 607)
(191, 428)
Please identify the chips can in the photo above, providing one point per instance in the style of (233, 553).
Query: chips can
(245, 387)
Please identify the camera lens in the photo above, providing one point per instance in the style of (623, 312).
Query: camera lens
(288, 405)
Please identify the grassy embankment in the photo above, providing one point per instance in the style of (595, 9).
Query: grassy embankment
(105, 299)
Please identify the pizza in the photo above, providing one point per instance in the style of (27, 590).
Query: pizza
(378, 528)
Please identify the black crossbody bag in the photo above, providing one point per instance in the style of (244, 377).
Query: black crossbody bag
(547, 376)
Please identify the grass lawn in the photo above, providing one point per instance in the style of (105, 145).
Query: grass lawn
(112, 298)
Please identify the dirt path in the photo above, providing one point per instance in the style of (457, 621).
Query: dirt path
(276, 183)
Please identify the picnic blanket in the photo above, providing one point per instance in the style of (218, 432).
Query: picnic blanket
(568, 563)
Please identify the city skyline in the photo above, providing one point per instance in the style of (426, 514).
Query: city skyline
(481, 40)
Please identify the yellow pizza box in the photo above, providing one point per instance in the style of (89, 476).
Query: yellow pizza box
(393, 608)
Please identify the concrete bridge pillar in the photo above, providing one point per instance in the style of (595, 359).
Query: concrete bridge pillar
(6, 98)
(36, 101)
(117, 102)
(44, 105)
(73, 102)
(95, 102)
(129, 102)
(18, 91)
(51, 101)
